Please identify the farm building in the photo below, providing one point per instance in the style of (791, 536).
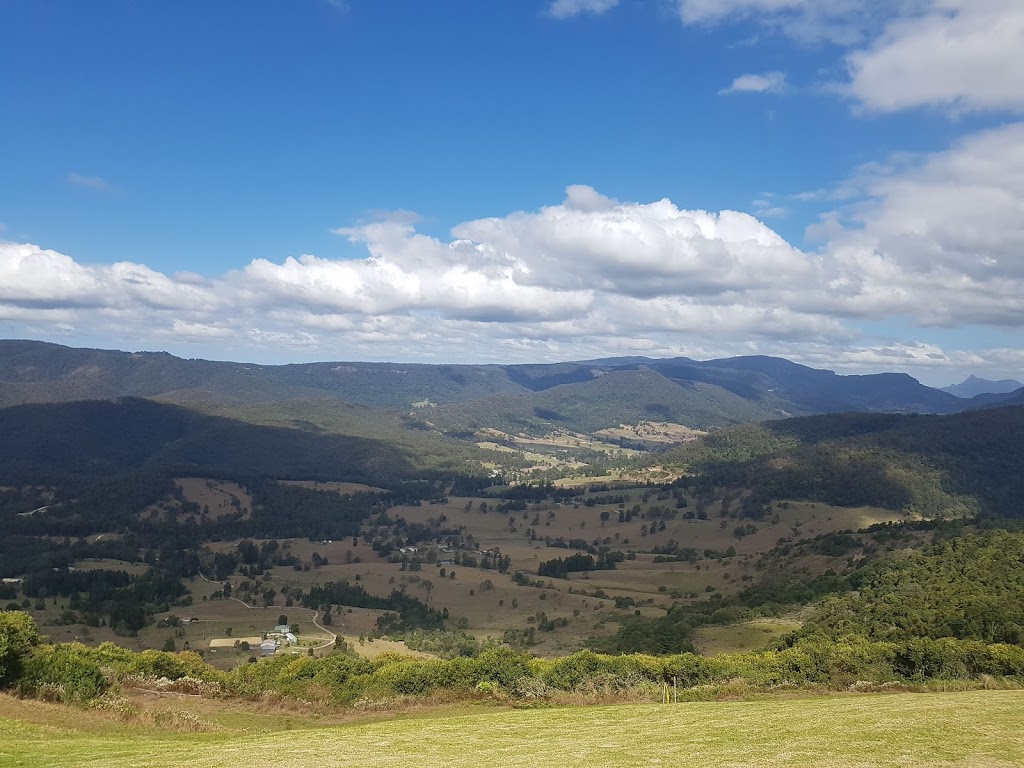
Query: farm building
(268, 647)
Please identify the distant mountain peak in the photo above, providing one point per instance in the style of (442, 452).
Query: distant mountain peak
(973, 386)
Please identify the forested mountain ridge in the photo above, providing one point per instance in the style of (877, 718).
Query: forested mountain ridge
(965, 463)
(582, 396)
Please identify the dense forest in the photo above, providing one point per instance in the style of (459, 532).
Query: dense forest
(961, 464)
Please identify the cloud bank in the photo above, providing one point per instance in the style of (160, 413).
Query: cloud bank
(935, 240)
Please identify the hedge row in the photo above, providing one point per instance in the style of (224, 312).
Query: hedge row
(78, 672)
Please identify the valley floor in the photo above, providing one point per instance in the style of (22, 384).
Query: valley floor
(970, 729)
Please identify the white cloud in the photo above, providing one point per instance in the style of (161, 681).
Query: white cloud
(935, 240)
(956, 55)
(963, 55)
(564, 9)
(939, 237)
(565, 277)
(769, 82)
(644, 250)
(89, 182)
(33, 277)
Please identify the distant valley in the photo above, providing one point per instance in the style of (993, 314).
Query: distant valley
(543, 516)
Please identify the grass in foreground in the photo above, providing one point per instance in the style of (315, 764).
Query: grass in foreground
(973, 729)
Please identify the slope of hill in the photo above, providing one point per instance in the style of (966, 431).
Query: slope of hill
(969, 587)
(427, 449)
(990, 400)
(46, 444)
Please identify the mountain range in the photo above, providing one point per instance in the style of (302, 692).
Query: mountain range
(455, 399)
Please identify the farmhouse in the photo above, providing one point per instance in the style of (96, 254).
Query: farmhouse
(283, 633)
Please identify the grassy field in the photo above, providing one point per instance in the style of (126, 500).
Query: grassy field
(976, 729)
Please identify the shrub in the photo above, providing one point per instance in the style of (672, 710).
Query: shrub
(503, 666)
(67, 668)
(409, 676)
(571, 672)
(18, 635)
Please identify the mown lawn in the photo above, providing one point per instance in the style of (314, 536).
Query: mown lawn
(977, 729)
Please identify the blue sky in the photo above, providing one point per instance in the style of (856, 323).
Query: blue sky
(480, 181)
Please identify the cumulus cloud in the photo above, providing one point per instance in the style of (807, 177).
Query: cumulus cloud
(769, 82)
(564, 9)
(641, 250)
(962, 55)
(561, 278)
(938, 237)
(34, 277)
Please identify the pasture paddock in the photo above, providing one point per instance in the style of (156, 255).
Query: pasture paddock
(491, 609)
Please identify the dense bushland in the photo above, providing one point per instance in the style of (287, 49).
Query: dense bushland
(961, 586)
(968, 587)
